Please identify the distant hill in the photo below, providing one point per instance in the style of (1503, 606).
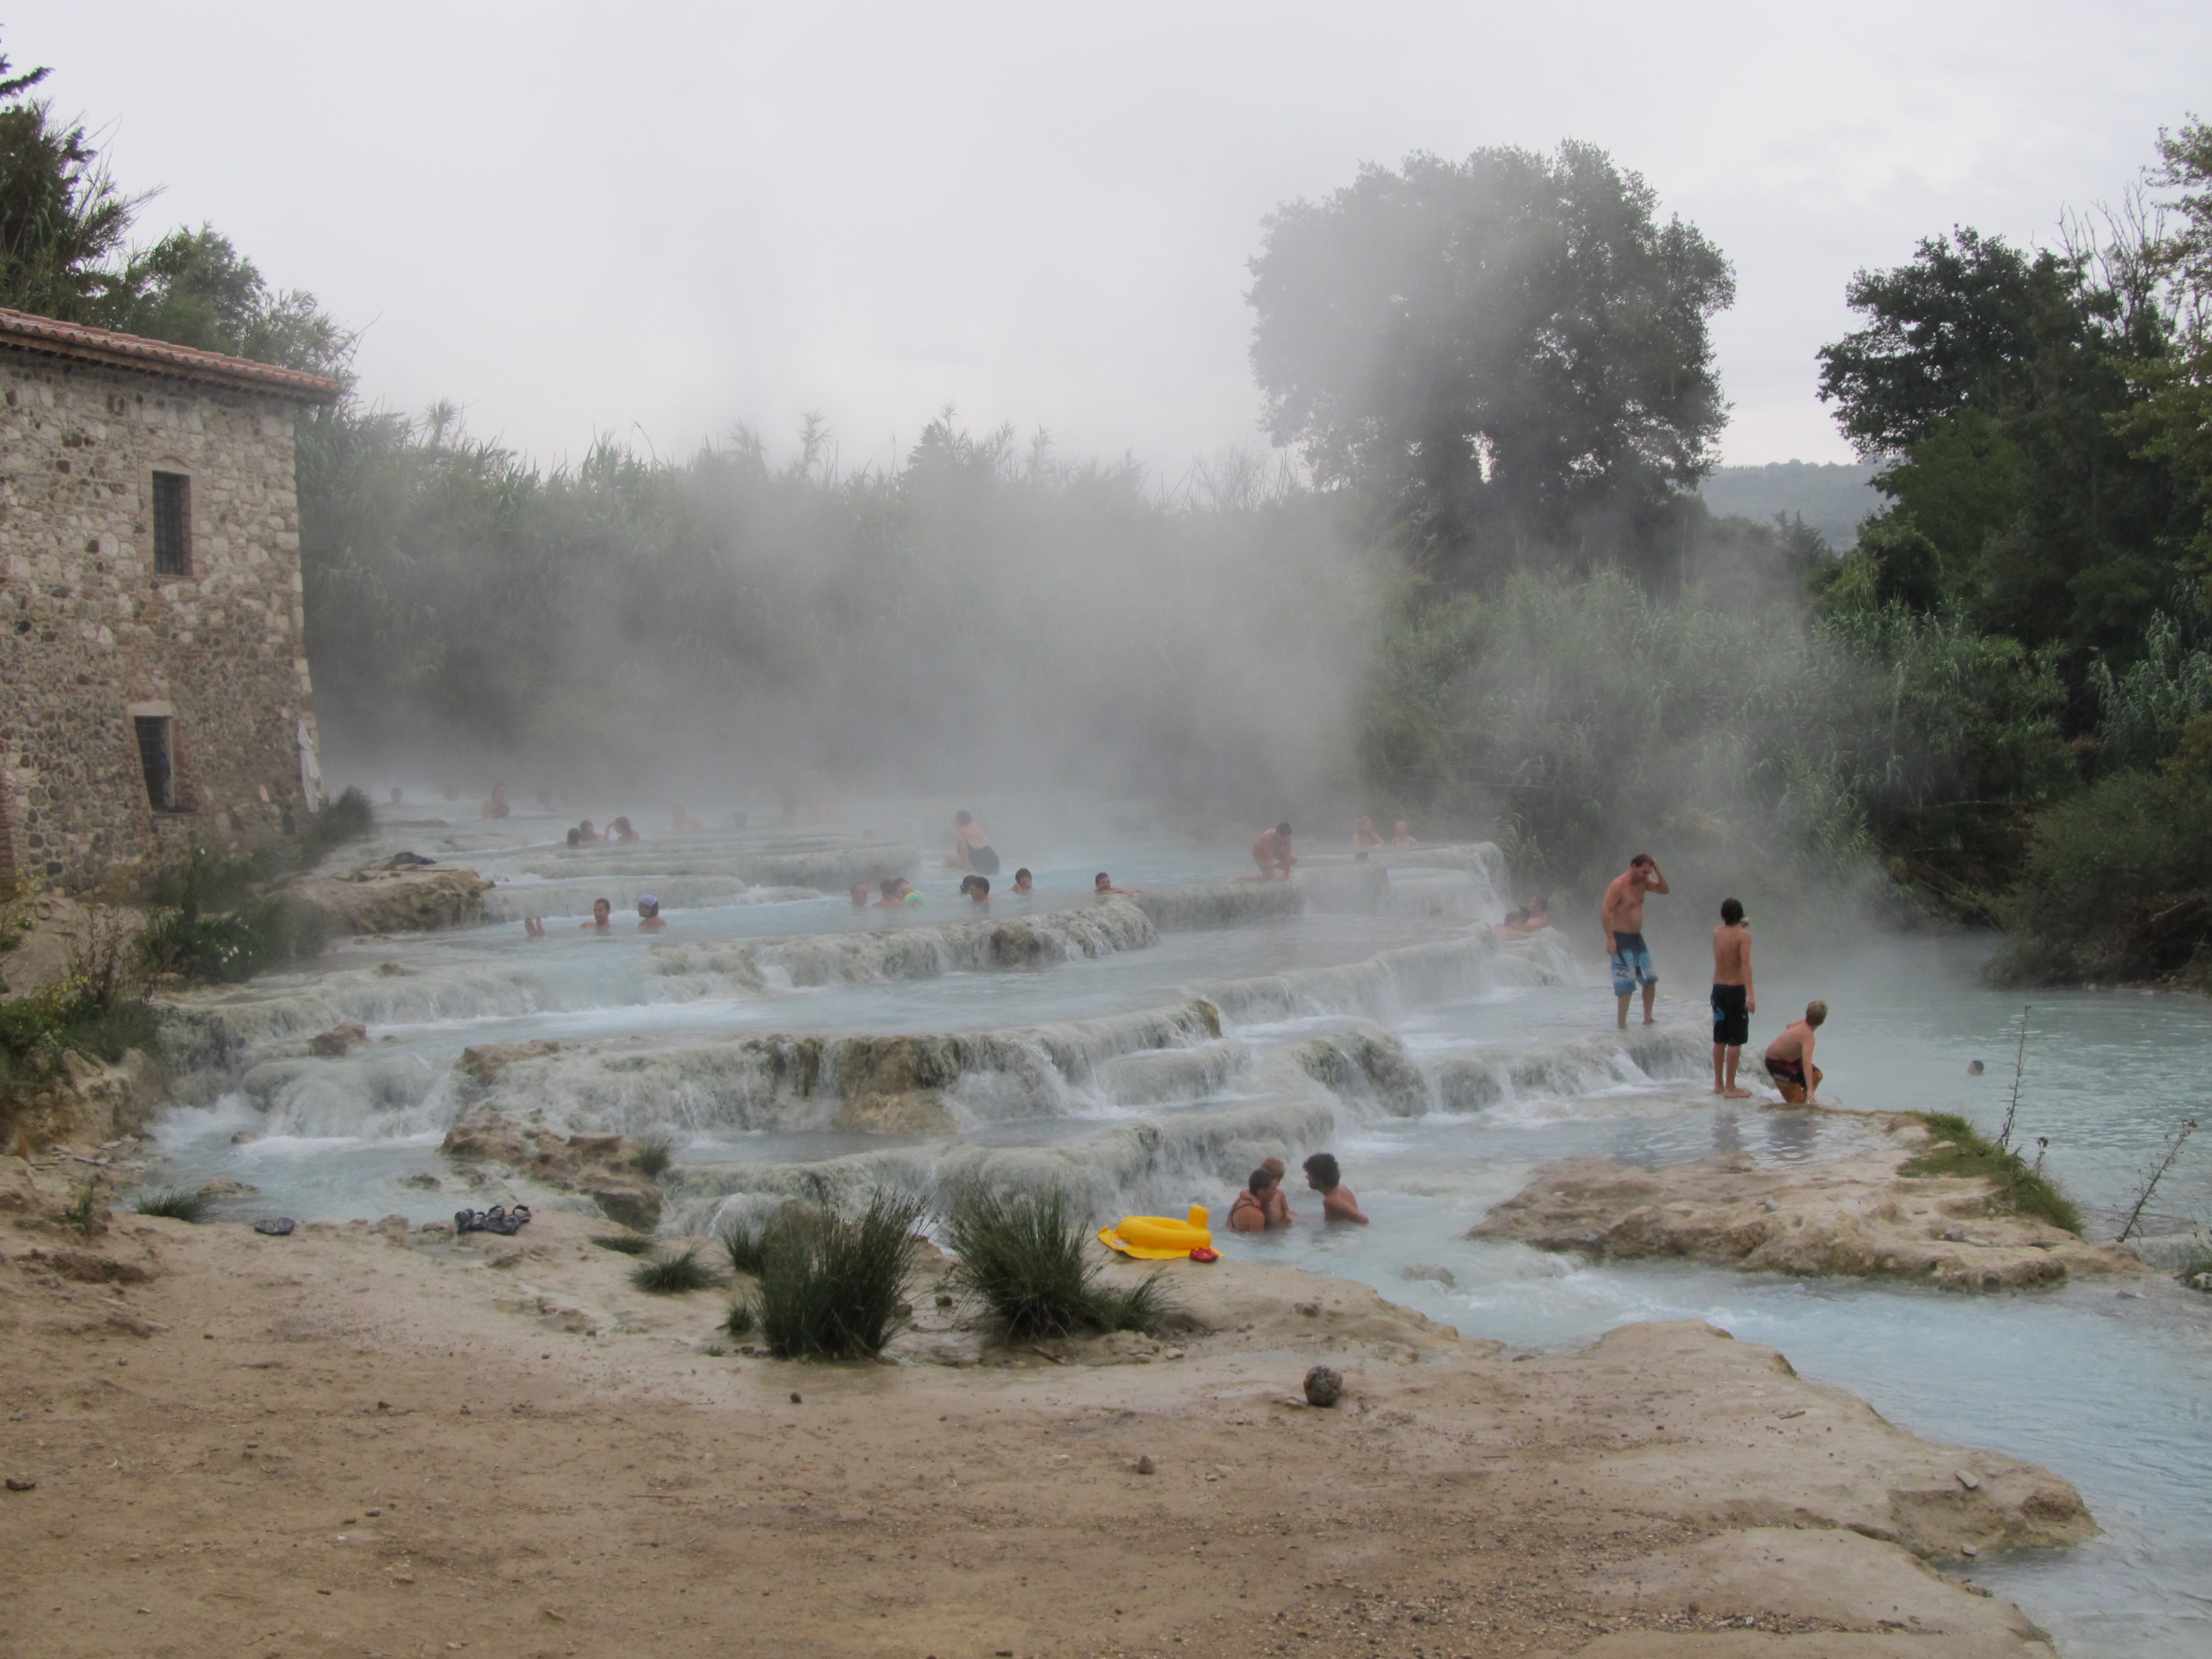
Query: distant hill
(1832, 499)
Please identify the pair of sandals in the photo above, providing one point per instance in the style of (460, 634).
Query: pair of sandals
(497, 1219)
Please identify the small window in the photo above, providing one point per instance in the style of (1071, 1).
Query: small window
(158, 758)
(172, 525)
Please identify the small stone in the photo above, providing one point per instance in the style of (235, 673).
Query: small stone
(1145, 1466)
(1323, 1387)
(1310, 1310)
(1970, 1481)
(944, 1300)
(795, 1397)
(1969, 1550)
(1954, 1235)
(1431, 1271)
(15, 1483)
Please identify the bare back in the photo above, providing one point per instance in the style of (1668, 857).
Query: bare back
(1732, 955)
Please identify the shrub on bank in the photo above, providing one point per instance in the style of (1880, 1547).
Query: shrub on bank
(2117, 885)
(1958, 1148)
(833, 1287)
(177, 1203)
(1029, 1258)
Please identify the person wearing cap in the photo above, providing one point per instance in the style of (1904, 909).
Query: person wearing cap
(648, 914)
(1735, 1001)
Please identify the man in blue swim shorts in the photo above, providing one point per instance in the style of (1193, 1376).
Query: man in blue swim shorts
(1621, 916)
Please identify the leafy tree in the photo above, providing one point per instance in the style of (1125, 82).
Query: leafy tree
(1992, 381)
(1508, 354)
(2174, 421)
(61, 217)
(194, 288)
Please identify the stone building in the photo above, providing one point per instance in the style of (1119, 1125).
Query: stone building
(154, 687)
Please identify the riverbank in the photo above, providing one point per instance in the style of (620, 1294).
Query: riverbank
(383, 1439)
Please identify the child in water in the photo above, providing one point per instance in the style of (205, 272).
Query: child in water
(648, 914)
(1022, 887)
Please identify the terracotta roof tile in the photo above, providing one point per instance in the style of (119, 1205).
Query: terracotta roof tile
(101, 346)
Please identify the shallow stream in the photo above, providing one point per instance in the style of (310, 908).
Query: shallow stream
(1372, 1019)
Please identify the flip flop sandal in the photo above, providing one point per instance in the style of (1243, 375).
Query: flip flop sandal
(508, 1224)
(275, 1227)
(467, 1221)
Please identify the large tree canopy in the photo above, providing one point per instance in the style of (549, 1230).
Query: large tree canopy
(1509, 352)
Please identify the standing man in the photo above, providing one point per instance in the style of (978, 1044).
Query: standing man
(1621, 916)
(1735, 1001)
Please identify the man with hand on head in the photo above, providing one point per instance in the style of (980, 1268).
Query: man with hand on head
(1621, 916)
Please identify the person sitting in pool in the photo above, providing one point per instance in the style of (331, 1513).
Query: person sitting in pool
(1024, 885)
(971, 847)
(533, 927)
(1279, 1212)
(602, 917)
(586, 833)
(1101, 886)
(1364, 835)
(1248, 1211)
(648, 914)
(1405, 836)
(1515, 925)
(977, 888)
(860, 891)
(895, 890)
(575, 838)
(1789, 1057)
(683, 823)
(620, 831)
(495, 805)
(1337, 1203)
(1538, 917)
(1271, 853)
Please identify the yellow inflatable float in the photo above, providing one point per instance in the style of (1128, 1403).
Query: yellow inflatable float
(1157, 1238)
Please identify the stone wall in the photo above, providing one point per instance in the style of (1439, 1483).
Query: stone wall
(90, 636)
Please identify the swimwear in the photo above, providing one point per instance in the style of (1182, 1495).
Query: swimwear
(1244, 1201)
(1632, 964)
(983, 860)
(1731, 1017)
(1786, 1070)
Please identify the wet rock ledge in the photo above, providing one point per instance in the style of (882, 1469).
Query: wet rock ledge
(1851, 1216)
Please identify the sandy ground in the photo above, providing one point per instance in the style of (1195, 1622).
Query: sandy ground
(379, 1440)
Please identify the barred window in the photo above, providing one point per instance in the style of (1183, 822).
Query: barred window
(172, 525)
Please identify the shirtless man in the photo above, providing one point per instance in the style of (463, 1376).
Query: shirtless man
(894, 889)
(1621, 916)
(1337, 1203)
(1271, 853)
(1364, 835)
(977, 888)
(1101, 886)
(859, 895)
(1734, 1000)
(1789, 1057)
(602, 919)
(1405, 836)
(495, 805)
(649, 918)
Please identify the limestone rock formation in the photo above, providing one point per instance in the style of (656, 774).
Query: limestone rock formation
(412, 900)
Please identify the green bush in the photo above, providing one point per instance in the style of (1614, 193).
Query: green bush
(1029, 1259)
(655, 1152)
(177, 1203)
(2117, 885)
(1958, 1148)
(674, 1275)
(834, 1288)
(745, 1243)
(35, 1029)
(349, 817)
(623, 1243)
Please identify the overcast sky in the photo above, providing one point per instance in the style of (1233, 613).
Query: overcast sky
(657, 221)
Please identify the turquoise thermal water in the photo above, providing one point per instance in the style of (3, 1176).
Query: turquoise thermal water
(2108, 1388)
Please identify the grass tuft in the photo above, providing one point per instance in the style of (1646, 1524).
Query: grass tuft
(674, 1275)
(745, 1243)
(742, 1320)
(655, 1152)
(1029, 1258)
(86, 1212)
(177, 1203)
(1970, 1154)
(624, 1244)
(833, 1288)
